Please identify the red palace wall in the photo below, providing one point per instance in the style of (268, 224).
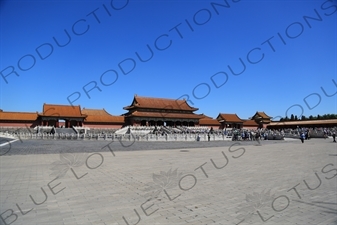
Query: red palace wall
(250, 127)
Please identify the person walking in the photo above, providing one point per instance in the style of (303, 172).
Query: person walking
(334, 136)
(302, 137)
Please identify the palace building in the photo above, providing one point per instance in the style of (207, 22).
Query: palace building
(306, 123)
(52, 115)
(62, 116)
(229, 121)
(146, 111)
(262, 119)
(18, 119)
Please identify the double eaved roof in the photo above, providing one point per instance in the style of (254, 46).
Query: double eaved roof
(171, 115)
(159, 103)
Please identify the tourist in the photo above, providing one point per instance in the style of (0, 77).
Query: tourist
(334, 136)
(257, 136)
(302, 136)
(265, 136)
(198, 137)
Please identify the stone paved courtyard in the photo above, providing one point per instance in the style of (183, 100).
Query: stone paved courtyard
(83, 182)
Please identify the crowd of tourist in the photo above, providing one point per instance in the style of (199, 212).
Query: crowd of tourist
(303, 133)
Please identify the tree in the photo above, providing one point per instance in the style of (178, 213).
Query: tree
(303, 117)
(292, 118)
(296, 118)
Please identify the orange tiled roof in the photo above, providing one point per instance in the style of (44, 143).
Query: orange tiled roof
(229, 118)
(100, 115)
(305, 122)
(22, 116)
(165, 115)
(159, 103)
(203, 116)
(249, 123)
(61, 111)
(207, 120)
(203, 122)
(261, 114)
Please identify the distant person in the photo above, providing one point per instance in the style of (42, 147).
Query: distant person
(257, 136)
(302, 137)
(209, 137)
(265, 136)
(334, 136)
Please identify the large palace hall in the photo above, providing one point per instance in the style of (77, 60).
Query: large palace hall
(143, 111)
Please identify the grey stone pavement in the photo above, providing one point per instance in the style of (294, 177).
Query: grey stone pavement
(80, 182)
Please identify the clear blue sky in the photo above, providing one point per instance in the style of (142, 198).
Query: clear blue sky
(191, 41)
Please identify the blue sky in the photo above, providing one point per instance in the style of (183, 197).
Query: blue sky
(195, 45)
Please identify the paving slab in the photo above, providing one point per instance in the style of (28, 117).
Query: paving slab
(79, 182)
